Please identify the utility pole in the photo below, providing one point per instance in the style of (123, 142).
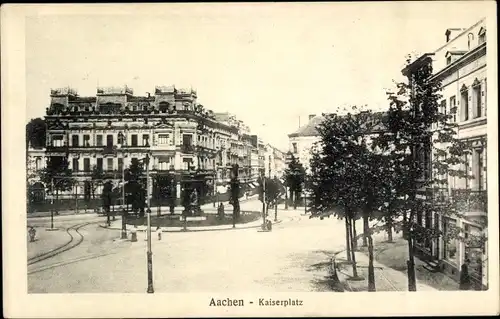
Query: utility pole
(149, 252)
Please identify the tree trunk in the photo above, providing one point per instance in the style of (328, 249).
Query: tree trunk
(347, 239)
(366, 228)
(371, 270)
(353, 252)
(354, 235)
(412, 282)
(389, 229)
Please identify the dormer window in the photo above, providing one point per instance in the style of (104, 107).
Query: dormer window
(482, 36)
(448, 60)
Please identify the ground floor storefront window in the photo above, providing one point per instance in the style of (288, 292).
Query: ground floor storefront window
(473, 255)
(449, 240)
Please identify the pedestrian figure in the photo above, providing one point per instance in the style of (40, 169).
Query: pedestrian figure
(465, 282)
(221, 211)
(32, 233)
(158, 232)
(269, 225)
(133, 233)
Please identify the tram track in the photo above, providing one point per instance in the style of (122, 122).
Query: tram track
(76, 238)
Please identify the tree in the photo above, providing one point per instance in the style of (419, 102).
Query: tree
(337, 181)
(134, 186)
(57, 175)
(96, 178)
(419, 130)
(36, 133)
(234, 193)
(107, 199)
(294, 179)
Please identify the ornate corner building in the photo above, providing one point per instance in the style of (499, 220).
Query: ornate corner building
(181, 138)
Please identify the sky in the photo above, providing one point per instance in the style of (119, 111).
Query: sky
(269, 64)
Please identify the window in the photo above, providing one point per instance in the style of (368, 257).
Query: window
(186, 163)
(443, 107)
(464, 103)
(38, 162)
(477, 98)
(164, 164)
(453, 105)
(86, 140)
(145, 140)
(187, 139)
(134, 139)
(75, 140)
(99, 140)
(120, 164)
(479, 169)
(482, 36)
(163, 139)
(75, 165)
(163, 107)
(121, 139)
(57, 141)
(449, 244)
(448, 60)
(294, 145)
(109, 140)
(109, 164)
(86, 164)
(467, 170)
(99, 163)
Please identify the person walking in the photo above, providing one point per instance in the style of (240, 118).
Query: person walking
(133, 233)
(465, 280)
(158, 232)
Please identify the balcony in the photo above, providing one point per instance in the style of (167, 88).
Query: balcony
(471, 200)
(187, 148)
(107, 150)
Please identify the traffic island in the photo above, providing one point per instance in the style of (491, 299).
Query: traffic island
(205, 220)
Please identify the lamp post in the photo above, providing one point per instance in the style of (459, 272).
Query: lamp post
(148, 211)
(124, 222)
(264, 201)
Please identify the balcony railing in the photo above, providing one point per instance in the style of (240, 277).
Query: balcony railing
(186, 148)
(471, 200)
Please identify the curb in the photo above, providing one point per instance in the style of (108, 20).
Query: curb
(193, 229)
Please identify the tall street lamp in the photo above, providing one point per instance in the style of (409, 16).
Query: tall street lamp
(148, 211)
(124, 222)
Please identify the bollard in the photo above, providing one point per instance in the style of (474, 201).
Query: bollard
(133, 233)
(32, 234)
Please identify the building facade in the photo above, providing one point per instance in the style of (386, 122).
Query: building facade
(302, 141)
(107, 131)
(460, 66)
(195, 147)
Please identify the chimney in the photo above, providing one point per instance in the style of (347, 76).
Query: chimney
(311, 116)
(149, 94)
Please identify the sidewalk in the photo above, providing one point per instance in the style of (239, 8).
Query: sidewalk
(390, 267)
(386, 279)
(209, 208)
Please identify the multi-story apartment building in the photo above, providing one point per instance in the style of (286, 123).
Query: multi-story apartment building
(274, 162)
(110, 129)
(460, 66)
(302, 141)
(183, 140)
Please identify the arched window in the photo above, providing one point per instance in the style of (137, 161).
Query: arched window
(163, 107)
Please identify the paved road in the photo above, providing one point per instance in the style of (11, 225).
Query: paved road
(293, 257)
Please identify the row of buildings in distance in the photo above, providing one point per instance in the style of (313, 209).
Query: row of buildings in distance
(181, 137)
(460, 65)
